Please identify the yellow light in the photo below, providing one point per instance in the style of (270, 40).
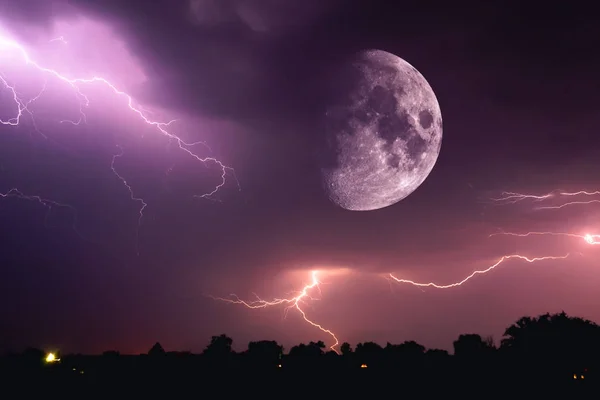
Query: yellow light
(582, 377)
(50, 358)
(574, 376)
(363, 365)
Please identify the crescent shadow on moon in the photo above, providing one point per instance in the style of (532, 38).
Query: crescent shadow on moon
(383, 132)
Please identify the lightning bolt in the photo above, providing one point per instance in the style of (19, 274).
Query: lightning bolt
(478, 272)
(294, 302)
(59, 39)
(13, 50)
(143, 204)
(46, 203)
(567, 204)
(588, 238)
(580, 193)
(513, 197)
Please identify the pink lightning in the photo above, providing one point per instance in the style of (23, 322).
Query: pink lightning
(588, 238)
(143, 204)
(567, 204)
(580, 193)
(479, 272)
(47, 203)
(13, 50)
(16, 193)
(292, 302)
(513, 197)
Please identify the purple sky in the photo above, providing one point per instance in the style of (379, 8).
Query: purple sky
(518, 90)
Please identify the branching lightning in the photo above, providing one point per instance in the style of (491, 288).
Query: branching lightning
(300, 298)
(46, 203)
(143, 204)
(304, 295)
(294, 302)
(14, 51)
(560, 196)
(23, 110)
(478, 272)
(512, 197)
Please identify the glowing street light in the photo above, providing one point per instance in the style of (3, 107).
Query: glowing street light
(51, 358)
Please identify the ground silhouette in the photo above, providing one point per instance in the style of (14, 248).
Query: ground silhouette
(548, 353)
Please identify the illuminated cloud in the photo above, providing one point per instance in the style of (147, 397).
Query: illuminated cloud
(95, 77)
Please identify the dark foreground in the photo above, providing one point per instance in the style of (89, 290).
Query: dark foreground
(186, 380)
(542, 357)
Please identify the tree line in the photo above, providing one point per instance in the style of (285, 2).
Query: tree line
(547, 348)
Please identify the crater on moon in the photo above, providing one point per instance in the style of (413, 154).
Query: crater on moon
(383, 135)
(425, 119)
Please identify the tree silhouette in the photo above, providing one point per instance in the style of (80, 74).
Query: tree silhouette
(219, 347)
(306, 355)
(411, 349)
(312, 349)
(369, 353)
(265, 353)
(556, 341)
(218, 353)
(156, 350)
(407, 355)
(32, 357)
(346, 349)
(472, 346)
(541, 352)
(436, 356)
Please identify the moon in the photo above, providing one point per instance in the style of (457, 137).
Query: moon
(383, 132)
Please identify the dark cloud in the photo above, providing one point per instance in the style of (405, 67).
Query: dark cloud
(263, 16)
(551, 60)
(271, 59)
(269, 64)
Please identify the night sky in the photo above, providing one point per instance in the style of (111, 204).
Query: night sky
(519, 92)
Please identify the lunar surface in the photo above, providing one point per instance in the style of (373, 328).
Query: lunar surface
(384, 133)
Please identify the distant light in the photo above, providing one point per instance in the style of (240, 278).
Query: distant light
(582, 377)
(279, 366)
(51, 358)
(574, 376)
(363, 365)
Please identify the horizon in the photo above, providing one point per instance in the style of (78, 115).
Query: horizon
(496, 342)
